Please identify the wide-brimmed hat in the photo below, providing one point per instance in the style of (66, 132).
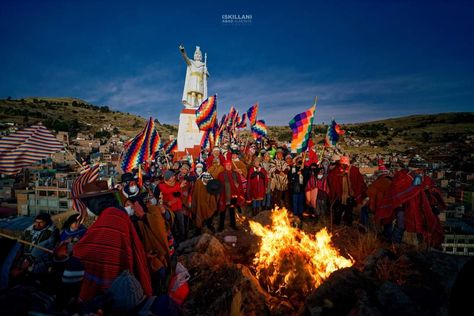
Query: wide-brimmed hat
(126, 177)
(214, 187)
(95, 188)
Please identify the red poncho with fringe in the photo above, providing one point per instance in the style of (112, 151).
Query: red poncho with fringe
(110, 246)
(419, 217)
(377, 190)
(356, 179)
(231, 187)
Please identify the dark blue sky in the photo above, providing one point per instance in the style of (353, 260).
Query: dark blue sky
(364, 59)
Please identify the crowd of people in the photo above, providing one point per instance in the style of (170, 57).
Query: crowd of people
(132, 244)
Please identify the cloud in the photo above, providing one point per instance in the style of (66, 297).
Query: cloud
(283, 94)
(156, 91)
(153, 92)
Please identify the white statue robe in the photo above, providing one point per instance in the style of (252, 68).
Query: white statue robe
(196, 82)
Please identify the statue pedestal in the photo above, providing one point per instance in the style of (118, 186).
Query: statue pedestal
(189, 134)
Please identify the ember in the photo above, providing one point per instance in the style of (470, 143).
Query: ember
(290, 261)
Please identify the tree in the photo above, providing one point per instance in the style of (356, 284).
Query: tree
(102, 134)
(104, 109)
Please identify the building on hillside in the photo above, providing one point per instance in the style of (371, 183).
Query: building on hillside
(23, 198)
(468, 200)
(52, 199)
(95, 158)
(6, 188)
(63, 158)
(63, 137)
(104, 148)
(108, 171)
(458, 238)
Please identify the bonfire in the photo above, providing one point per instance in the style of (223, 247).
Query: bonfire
(290, 261)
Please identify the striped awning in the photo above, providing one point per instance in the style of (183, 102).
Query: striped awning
(25, 147)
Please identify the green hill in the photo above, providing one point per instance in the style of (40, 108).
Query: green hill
(440, 134)
(73, 115)
(425, 132)
(435, 135)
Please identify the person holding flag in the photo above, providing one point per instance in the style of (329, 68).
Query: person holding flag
(301, 126)
(347, 189)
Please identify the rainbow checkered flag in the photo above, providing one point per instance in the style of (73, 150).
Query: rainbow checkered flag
(171, 146)
(301, 126)
(252, 114)
(206, 114)
(259, 130)
(205, 140)
(332, 135)
(141, 148)
(241, 121)
(232, 118)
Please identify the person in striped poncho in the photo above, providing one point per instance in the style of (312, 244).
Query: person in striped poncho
(110, 246)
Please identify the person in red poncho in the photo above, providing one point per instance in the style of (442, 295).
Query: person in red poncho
(172, 198)
(407, 191)
(257, 184)
(347, 189)
(215, 155)
(232, 194)
(376, 192)
(110, 246)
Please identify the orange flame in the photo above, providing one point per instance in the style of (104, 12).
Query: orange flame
(289, 260)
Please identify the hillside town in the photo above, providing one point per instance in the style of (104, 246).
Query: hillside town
(46, 185)
(47, 189)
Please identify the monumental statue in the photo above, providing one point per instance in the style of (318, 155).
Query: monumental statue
(194, 92)
(195, 85)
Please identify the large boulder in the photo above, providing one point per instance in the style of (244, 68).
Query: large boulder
(232, 290)
(408, 283)
(202, 252)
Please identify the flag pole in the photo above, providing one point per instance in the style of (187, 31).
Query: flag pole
(26, 242)
(80, 165)
(310, 133)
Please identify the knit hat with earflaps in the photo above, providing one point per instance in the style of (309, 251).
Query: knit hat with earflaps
(126, 292)
(168, 174)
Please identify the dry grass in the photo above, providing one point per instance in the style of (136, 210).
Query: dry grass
(359, 245)
(397, 271)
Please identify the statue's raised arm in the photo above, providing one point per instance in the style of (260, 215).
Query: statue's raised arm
(195, 85)
(185, 56)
